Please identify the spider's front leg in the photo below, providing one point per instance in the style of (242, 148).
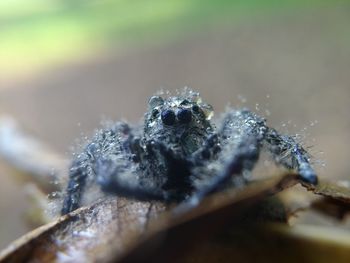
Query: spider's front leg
(123, 182)
(287, 152)
(78, 174)
(130, 175)
(111, 144)
(240, 136)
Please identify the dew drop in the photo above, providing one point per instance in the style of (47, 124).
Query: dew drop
(257, 107)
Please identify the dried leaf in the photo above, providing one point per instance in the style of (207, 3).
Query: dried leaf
(86, 234)
(122, 230)
(332, 207)
(271, 243)
(175, 241)
(217, 234)
(117, 226)
(334, 190)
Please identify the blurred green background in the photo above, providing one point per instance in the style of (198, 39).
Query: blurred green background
(66, 64)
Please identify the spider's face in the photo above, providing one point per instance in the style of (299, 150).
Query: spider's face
(181, 121)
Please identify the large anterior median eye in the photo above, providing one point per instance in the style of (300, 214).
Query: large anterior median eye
(168, 117)
(184, 116)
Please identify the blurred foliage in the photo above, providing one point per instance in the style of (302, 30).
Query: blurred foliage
(35, 33)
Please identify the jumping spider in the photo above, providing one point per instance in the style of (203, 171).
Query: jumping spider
(179, 155)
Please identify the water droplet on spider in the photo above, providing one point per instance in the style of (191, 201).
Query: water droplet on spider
(55, 182)
(195, 97)
(313, 123)
(267, 96)
(53, 194)
(208, 111)
(298, 136)
(257, 107)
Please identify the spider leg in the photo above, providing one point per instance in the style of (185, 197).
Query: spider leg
(146, 180)
(243, 160)
(112, 141)
(121, 181)
(287, 152)
(77, 181)
(210, 149)
(241, 136)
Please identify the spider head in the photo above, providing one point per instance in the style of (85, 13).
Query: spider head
(182, 121)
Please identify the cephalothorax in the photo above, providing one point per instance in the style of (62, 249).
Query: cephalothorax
(179, 154)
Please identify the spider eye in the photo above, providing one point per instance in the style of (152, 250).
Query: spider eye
(195, 108)
(168, 117)
(184, 115)
(155, 113)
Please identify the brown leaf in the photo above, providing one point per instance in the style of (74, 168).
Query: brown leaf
(86, 234)
(332, 190)
(214, 232)
(271, 243)
(115, 226)
(173, 243)
(332, 207)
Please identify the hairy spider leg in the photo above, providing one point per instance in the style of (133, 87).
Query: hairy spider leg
(209, 150)
(244, 160)
(117, 180)
(247, 142)
(121, 181)
(109, 142)
(287, 152)
(76, 185)
(150, 184)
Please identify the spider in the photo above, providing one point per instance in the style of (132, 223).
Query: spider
(180, 155)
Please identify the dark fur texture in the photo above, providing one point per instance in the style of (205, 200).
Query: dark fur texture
(179, 155)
